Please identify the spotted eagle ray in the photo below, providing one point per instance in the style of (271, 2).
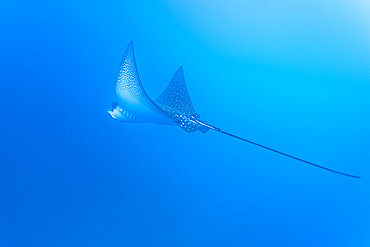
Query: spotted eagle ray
(172, 107)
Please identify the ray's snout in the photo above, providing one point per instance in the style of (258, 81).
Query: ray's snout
(111, 112)
(119, 114)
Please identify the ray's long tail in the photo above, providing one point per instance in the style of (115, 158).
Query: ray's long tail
(290, 156)
(274, 150)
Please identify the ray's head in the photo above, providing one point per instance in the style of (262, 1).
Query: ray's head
(119, 114)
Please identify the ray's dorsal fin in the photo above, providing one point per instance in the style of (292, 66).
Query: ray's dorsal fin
(176, 95)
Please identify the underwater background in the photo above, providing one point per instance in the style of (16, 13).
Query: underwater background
(291, 75)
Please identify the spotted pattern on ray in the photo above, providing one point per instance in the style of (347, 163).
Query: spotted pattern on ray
(182, 120)
(129, 86)
(176, 95)
(175, 101)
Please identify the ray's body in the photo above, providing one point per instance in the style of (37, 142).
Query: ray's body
(172, 107)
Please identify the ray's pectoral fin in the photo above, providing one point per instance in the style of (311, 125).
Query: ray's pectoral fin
(175, 101)
(176, 95)
(131, 97)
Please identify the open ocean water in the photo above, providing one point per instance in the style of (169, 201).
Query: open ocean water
(291, 75)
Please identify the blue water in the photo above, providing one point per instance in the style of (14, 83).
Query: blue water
(292, 75)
